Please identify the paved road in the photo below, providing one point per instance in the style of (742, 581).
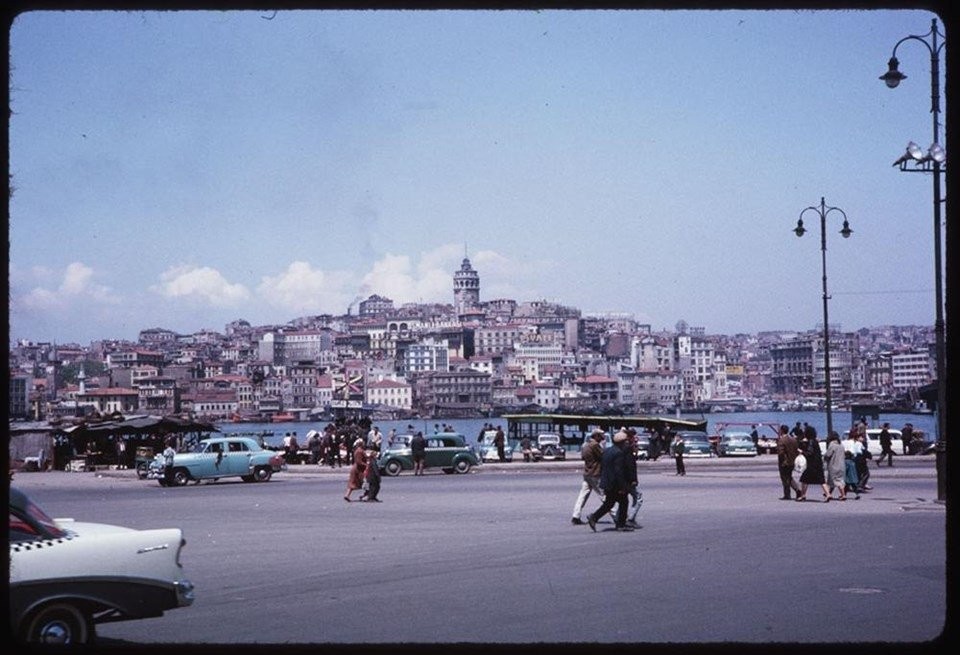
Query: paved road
(491, 557)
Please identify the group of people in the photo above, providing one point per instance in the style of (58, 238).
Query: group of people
(611, 473)
(841, 467)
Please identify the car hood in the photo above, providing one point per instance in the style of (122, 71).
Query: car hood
(91, 529)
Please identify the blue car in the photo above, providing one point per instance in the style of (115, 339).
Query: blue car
(220, 457)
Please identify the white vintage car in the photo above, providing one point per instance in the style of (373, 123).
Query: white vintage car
(67, 576)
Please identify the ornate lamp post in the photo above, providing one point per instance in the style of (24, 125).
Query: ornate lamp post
(823, 210)
(934, 161)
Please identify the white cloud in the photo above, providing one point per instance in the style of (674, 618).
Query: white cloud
(76, 285)
(303, 289)
(201, 284)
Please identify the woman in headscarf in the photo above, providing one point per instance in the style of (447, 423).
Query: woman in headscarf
(813, 474)
(357, 470)
(836, 468)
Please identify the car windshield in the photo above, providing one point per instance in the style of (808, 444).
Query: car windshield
(738, 440)
(39, 516)
(695, 439)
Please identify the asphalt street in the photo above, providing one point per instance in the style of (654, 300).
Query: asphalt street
(491, 557)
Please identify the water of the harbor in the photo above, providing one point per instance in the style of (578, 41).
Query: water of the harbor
(273, 433)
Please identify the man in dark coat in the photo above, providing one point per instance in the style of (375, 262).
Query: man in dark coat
(787, 450)
(614, 480)
(886, 445)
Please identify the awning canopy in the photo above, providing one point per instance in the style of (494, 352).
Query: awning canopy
(137, 424)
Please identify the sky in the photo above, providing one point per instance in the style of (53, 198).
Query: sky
(186, 169)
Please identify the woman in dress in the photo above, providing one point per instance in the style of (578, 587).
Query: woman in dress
(357, 470)
(813, 474)
(836, 468)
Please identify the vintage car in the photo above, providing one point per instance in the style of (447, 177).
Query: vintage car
(488, 452)
(550, 446)
(447, 451)
(697, 444)
(220, 457)
(67, 576)
(736, 444)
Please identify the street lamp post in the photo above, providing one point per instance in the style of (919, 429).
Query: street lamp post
(823, 210)
(934, 161)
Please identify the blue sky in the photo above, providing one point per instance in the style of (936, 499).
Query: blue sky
(186, 169)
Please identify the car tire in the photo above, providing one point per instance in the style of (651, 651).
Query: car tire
(393, 468)
(263, 474)
(142, 470)
(181, 477)
(58, 623)
(462, 466)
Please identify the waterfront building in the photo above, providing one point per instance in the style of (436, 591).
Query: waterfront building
(428, 355)
(599, 388)
(390, 393)
(799, 364)
(533, 356)
(452, 393)
(911, 370)
(158, 395)
(211, 405)
(547, 395)
(108, 400)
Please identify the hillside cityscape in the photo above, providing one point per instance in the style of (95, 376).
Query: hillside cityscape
(470, 358)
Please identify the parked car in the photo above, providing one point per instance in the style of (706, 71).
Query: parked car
(697, 444)
(550, 446)
(221, 457)
(873, 441)
(642, 448)
(67, 576)
(447, 451)
(488, 452)
(736, 444)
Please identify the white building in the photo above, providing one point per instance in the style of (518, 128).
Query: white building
(911, 370)
(391, 393)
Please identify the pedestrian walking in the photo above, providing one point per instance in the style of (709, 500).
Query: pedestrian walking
(633, 486)
(614, 482)
(357, 470)
(418, 449)
(886, 445)
(814, 473)
(835, 459)
(371, 481)
(678, 447)
(787, 451)
(851, 450)
(168, 456)
(590, 454)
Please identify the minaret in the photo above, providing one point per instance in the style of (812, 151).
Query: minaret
(81, 376)
(466, 287)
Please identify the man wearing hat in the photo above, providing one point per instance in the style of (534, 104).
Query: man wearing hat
(614, 480)
(590, 454)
